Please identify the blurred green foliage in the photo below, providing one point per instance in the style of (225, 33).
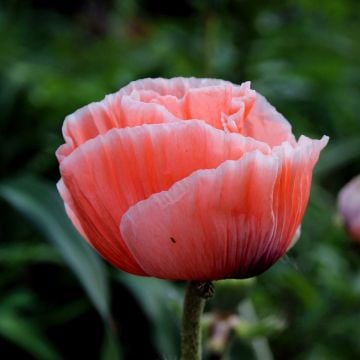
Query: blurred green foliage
(56, 56)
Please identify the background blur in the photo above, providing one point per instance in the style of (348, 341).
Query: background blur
(58, 300)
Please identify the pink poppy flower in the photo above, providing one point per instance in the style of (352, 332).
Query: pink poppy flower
(349, 207)
(185, 178)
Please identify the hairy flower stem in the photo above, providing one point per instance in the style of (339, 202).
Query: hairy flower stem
(196, 294)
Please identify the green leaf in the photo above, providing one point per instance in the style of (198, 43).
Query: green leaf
(16, 329)
(110, 348)
(41, 204)
(161, 302)
(24, 253)
(21, 331)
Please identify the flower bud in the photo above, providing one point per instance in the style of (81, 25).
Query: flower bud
(349, 207)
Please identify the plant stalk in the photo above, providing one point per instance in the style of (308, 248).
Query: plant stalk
(195, 296)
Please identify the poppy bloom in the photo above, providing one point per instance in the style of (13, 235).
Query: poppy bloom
(349, 207)
(185, 178)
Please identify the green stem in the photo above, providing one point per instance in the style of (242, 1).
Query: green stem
(195, 296)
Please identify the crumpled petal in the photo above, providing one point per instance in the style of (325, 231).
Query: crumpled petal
(110, 173)
(230, 222)
(154, 101)
(265, 124)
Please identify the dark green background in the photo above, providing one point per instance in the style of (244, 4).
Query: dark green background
(56, 56)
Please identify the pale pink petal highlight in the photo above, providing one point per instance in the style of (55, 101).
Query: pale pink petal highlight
(177, 86)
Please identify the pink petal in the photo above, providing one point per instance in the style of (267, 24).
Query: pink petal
(265, 124)
(210, 100)
(127, 107)
(84, 214)
(154, 101)
(208, 225)
(115, 111)
(177, 86)
(112, 172)
(70, 207)
(225, 222)
(292, 190)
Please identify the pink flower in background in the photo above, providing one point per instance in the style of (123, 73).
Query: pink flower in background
(192, 179)
(349, 207)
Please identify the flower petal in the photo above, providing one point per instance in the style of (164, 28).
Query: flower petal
(70, 207)
(265, 124)
(115, 111)
(292, 190)
(223, 223)
(219, 103)
(211, 225)
(177, 86)
(154, 101)
(112, 172)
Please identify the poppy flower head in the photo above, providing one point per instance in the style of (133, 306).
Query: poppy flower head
(185, 178)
